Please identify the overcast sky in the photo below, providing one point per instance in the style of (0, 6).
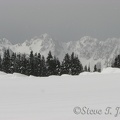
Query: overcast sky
(64, 20)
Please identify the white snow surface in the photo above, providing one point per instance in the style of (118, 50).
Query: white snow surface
(110, 70)
(54, 97)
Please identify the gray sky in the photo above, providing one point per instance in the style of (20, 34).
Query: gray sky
(64, 20)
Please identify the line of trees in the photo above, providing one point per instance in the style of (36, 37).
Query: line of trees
(116, 62)
(38, 65)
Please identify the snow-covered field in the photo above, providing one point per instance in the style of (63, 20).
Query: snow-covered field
(54, 97)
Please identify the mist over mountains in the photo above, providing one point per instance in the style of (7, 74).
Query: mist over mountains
(90, 50)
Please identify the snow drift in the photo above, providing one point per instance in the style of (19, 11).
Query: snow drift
(55, 97)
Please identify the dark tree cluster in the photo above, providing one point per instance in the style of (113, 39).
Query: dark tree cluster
(38, 65)
(96, 69)
(116, 62)
(87, 69)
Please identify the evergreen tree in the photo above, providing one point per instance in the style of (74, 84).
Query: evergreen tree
(23, 63)
(13, 63)
(85, 68)
(99, 70)
(116, 62)
(0, 63)
(31, 63)
(39, 64)
(65, 67)
(57, 66)
(75, 65)
(6, 61)
(95, 68)
(28, 67)
(36, 65)
(43, 67)
(18, 63)
(89, 68)
(50, 64)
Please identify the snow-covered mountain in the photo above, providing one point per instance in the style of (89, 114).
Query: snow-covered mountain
(90, 50)
(42, 44)
(4, 44)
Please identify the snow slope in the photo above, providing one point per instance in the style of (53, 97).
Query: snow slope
(54, 98)
(42, 44)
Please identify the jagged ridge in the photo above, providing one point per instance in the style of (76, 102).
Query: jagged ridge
(90, 50)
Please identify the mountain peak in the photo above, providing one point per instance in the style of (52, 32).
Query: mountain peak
(45, 35)
(88, 39)
(4, 41)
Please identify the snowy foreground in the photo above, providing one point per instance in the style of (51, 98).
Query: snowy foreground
(54, 98)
